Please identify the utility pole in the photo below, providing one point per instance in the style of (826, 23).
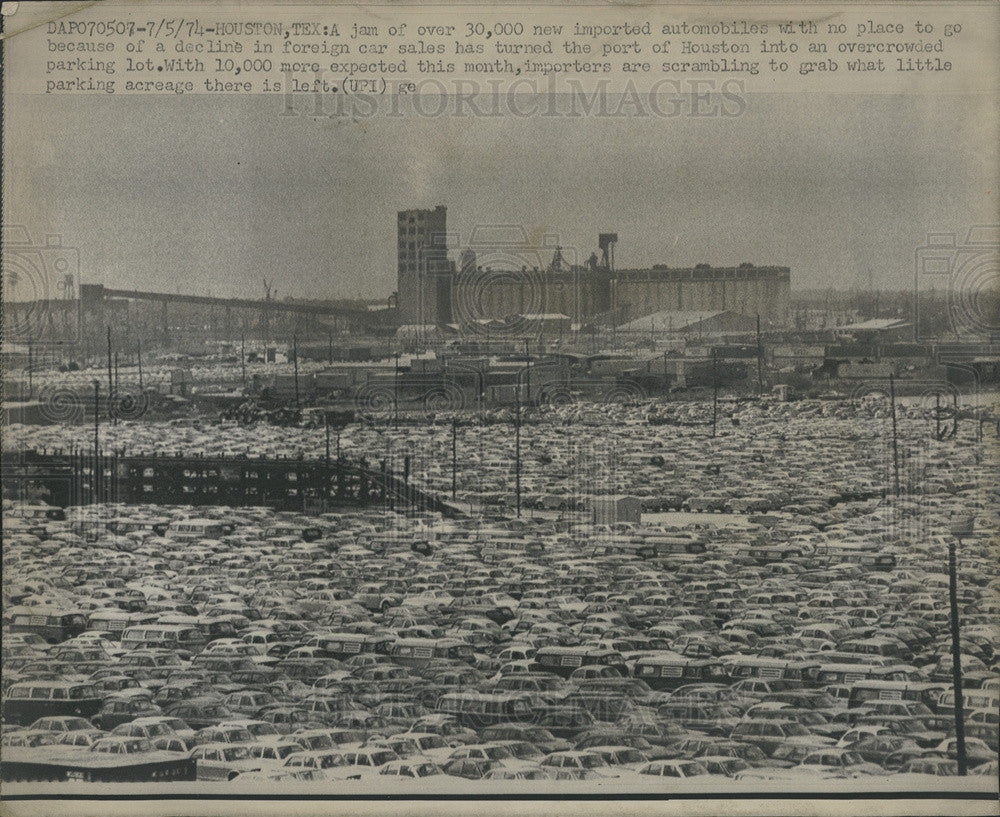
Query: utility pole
(295, 356)
(395, 395)
(760, 361)
(97, 439)
(895, 440)
(138, 357)
(406, 478)
(454, 455)
(517, 449)
(111, 384)
(329, 347)
(960, 529)
(715, 393)
(326, 427)
(326, 461)
(31, 365)
(527, 357)
(243, 357)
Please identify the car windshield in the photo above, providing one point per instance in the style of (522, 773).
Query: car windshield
(236, 753)
(541, 734)
(237, 736)
(83, 692)
(498, 752)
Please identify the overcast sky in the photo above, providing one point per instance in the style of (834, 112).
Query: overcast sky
(202, 193)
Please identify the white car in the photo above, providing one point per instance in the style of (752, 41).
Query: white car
(673, 768)
(412, 768)
(223, 761)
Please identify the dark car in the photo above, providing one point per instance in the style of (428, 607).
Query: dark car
(201, 712)
(538, 735)
(770, 735)
(619, 737)
(117, 711)
(470, 768)
(565, 721)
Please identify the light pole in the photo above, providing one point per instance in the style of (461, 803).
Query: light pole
(527, 358)
(960, 528)
(715, 393)
(760, 361)
(895, 435)
(395, 395)
(517, 448)
(97, 440)
(111, 384)
(326, 461)
(295, 357)
(454, 456)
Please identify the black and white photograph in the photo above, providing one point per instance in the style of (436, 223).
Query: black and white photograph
(372, 434)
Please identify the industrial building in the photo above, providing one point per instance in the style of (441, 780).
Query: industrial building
(520, 282)
(424, 272)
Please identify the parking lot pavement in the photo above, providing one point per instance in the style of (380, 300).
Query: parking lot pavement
(778, 614)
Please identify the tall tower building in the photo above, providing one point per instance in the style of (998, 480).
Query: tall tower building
(424, 274)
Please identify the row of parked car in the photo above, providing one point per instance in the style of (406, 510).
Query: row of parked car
(805, 458)
(257, 659)
(154, 643)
